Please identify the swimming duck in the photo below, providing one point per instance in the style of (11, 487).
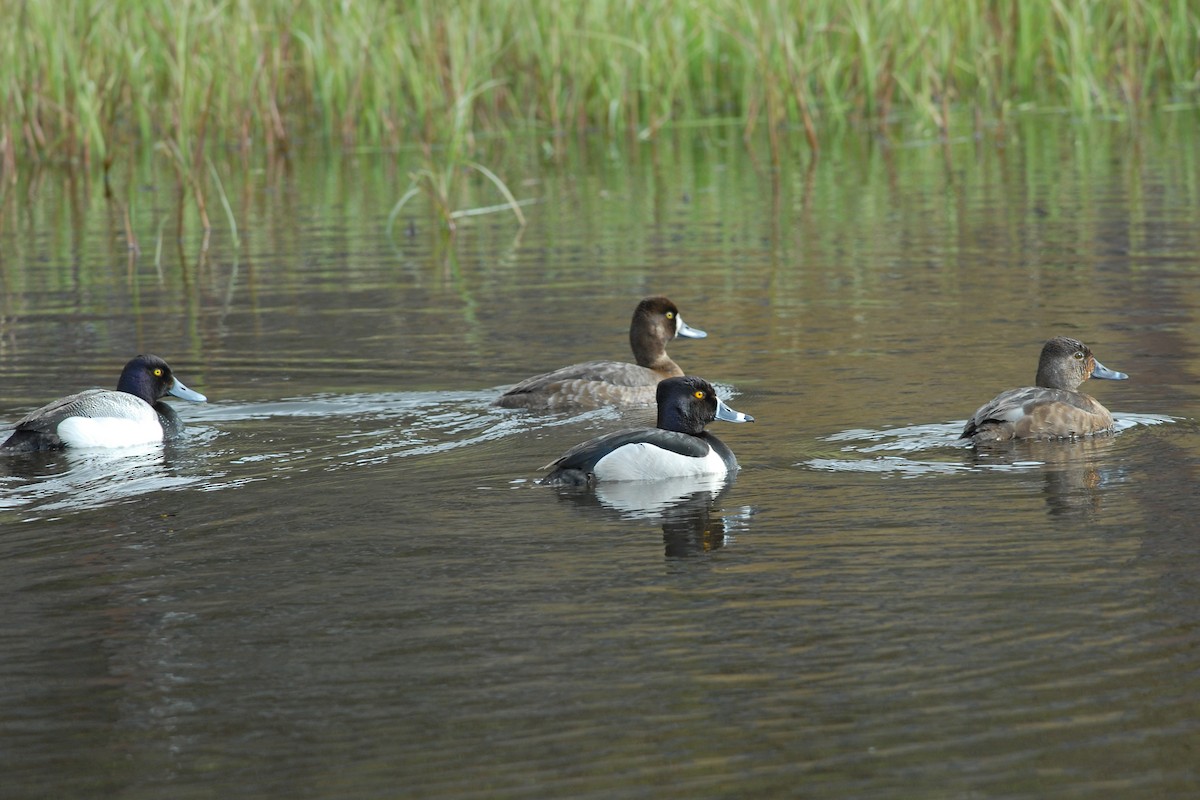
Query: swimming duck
(133, 414)
(593, 384)
(678, 447)
(1054, 408)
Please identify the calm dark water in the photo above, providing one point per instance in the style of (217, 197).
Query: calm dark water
(344, 582)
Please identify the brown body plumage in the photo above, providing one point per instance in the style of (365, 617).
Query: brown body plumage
(594, 384)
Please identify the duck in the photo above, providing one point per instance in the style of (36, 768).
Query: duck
(1053, 408)
(596, 384)
(678, 447)
(132, 414)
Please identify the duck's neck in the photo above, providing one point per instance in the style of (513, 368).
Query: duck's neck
(1050, 378)
(673, 421)
(663, 365)
(650, 351)
(137, 388)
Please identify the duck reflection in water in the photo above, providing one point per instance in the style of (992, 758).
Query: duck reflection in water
(686, 508)
(1076, 475)
(86, 478)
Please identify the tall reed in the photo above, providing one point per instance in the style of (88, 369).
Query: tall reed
(85, 81)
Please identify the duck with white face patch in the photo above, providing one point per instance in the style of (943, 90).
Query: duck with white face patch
(595, 384)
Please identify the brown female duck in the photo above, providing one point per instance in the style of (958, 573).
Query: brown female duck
(1054, 408)
(593, 384)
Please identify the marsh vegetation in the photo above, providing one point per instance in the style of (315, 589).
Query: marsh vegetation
(90, 83)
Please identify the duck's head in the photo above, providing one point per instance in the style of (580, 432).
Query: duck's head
(656, 321)
(150, 378)
(689, 403)
(1065, 363)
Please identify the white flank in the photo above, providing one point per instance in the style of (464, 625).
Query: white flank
(646, 462)
(110, 431)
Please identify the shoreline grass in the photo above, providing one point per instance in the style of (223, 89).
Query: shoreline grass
(89, 81)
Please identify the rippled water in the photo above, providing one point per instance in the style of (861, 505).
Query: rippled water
(344, 581)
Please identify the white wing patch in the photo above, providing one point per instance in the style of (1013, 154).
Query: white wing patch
(646, 462)
(111, 431)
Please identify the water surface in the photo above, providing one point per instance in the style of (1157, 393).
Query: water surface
(345, 582)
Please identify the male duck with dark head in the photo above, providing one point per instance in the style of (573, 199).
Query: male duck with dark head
(1054, 408)
(594, 384)
(133, 414)
(679, 447)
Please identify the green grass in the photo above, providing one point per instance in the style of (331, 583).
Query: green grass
(88, 81)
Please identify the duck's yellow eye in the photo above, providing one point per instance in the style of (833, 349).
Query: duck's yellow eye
(158, 372)
(699, 394)
(670, 315)
(1078, 356)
